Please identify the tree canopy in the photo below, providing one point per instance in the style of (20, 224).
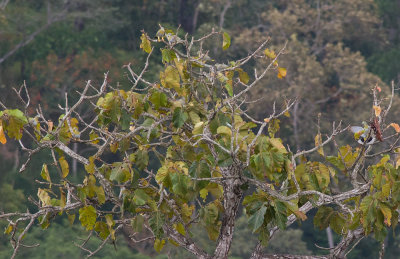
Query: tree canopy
(329, 62)
(163, 156)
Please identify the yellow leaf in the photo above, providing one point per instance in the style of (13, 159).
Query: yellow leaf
(281, 72)
(224, 130)
(395, 126)
(386, 190)
(45, 173)
(387, 213)
(203, 194)
(377, 110)
(64, 166)
(180, 228)
(8, 229)
(318, 142)
(44, 197)
(278, 144)
(114, 147)
(270, 53)
(159, 244)
(145, 45)
(3, 139)
(170, 78)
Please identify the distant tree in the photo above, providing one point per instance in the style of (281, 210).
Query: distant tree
(163, 156)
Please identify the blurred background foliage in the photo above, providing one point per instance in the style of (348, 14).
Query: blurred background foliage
(337, 50)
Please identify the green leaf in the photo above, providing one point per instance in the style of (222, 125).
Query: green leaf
(15, 123)
(180, 183)
(156, 222)
(87, 217)
(120, 174)
(159, 99)
(137, 223)
(145, 45)
(209, 216)
(338, 224)
(140, 197)
(257, 219)
(226, 41)
(277, 143)
(224, 130)
(243, 76)
(336, 162)
(45, 173)
(162, 173)
(179, 117)
(90, 168)
(142, 159)
(101, 196)
(168, 55)
(323, 216)
(366, 204)
(101, 228)
(273, 127)
(280, 214)
(180, 228)
(194, 117)
(229, 89)
(200, 170)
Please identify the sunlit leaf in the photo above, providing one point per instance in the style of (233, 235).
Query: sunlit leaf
(145, 45)
(180, 228)
(44, 197)
(64, 166)
(45, 173)
(87, 216)
(270, 53)
(226, 41)
(3, 139)
(377, 110)
(277, 143)
(387, 213)
(159, 244)
(229, 89)
(318, 142)
(101, 228)
(394, 125)
(281, 72)
(224, 130)
(9, 228)
(243, 76)
(168, 55)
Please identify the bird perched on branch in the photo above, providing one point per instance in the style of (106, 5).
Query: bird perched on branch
(367, 134)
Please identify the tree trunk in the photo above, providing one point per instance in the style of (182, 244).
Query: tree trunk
(232, 197)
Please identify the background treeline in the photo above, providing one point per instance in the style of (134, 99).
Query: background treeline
(337, 50)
